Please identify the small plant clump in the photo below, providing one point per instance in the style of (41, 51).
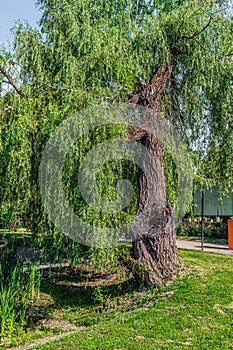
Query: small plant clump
(19, 284)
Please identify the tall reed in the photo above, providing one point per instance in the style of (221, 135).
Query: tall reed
(17, 286)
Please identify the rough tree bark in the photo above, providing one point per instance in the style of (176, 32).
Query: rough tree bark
(156, 249)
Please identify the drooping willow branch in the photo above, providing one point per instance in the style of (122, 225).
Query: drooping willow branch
(12, 82)
(197, 33)
(52, 87)
(212, 51)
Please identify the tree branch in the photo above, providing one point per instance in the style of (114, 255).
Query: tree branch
(212, 51)
(149, 94)
(53, 88)
(12, 82)
(161, 77)
(197, 33)
(138, 133)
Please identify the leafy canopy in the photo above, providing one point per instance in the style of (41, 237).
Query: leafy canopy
(87, 52)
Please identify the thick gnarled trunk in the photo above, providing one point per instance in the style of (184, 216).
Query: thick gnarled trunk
(157, 256)
(155, 250)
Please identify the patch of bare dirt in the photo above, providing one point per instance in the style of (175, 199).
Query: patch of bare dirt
(55, 323)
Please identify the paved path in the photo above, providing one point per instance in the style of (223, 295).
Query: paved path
(208, 247)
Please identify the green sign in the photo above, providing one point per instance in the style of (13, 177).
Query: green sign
(213, 206)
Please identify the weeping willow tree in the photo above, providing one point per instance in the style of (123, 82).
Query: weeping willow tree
(174, 57)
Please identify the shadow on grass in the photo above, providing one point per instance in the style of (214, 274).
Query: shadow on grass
(81, 296)
(68, 287)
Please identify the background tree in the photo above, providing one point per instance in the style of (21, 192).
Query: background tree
(174, 57)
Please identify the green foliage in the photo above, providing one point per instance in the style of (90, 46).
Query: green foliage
(99, 295)
(87, 52)
(193, 228)
(106, 180)
(17, 287)
(59, 247)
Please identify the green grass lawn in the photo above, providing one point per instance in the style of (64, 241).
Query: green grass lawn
(195, 311)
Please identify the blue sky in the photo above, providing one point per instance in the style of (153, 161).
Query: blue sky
(12, 10)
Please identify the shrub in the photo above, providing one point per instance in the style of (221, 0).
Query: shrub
(193, 227)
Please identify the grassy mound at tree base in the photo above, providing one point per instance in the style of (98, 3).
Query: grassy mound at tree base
(195, 311)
